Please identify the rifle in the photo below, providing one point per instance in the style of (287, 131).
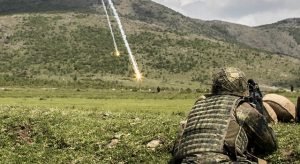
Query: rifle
(255, 97)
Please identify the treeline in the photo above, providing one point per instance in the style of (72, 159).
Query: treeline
(13, 81)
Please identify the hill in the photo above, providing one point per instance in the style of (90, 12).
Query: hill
(21, 6)
(277, 38)
(291, 29)
(71, 46)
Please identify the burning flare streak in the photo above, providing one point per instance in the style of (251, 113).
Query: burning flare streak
(117, 53)
(137, 72)
(111, 30)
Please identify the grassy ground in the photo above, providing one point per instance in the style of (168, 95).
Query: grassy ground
(71, 126)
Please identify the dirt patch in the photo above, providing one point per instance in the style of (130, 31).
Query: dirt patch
(21, 133)
(24, 133)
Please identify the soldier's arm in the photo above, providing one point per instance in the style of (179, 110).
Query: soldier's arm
(261, 136)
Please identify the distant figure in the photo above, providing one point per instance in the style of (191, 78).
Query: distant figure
(224, 127)
(292, 88)
(158, 89)
(298, 109)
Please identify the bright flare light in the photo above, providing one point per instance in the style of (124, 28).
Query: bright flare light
(138, 77)
(137, 72)
(117, 53)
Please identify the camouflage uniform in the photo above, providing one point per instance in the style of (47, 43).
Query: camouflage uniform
(224, 128)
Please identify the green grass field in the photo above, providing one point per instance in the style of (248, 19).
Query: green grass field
(72, 126)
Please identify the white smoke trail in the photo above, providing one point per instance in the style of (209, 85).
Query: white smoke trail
(132, 58)
(110, 27)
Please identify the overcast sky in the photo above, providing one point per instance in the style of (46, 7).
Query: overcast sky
(246, 12)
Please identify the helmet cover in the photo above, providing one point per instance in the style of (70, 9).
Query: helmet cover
(230, 80)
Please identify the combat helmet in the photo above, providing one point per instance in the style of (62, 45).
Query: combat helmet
(230, 80)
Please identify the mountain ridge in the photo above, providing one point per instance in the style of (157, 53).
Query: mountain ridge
(281, 37)
(171, 49)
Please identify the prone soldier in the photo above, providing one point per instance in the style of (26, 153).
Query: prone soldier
(225, 127)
